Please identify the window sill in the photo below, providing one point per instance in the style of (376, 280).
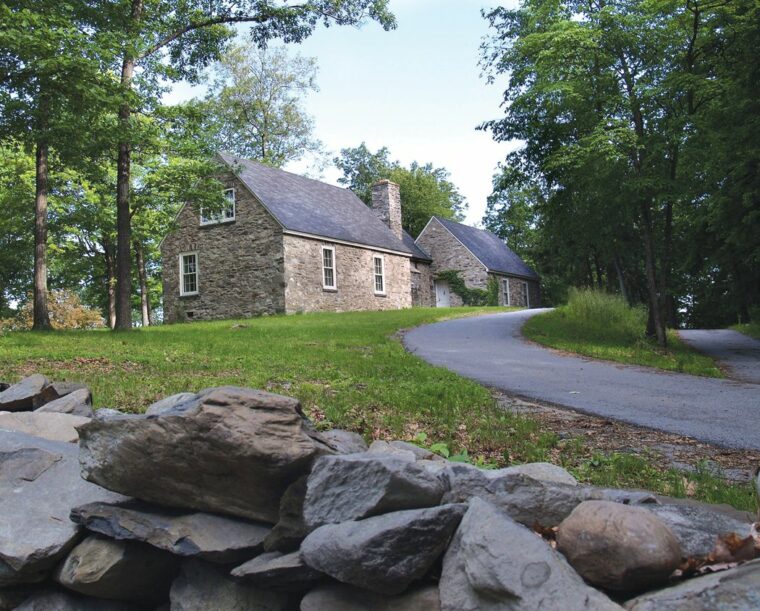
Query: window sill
(215, 223)
(327, 289)
(183, 295)
(381, 294)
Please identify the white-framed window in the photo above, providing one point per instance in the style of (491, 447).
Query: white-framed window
(506, 291)
(188, 273)
(328, 268)
(378, 265)
(527, 295)
(225, 215)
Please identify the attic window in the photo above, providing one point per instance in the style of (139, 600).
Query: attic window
(328, 268)
(226, 215)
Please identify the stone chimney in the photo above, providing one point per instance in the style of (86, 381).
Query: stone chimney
(386, 202)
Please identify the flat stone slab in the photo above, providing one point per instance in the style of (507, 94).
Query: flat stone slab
(39, 485)
(193, 534)
(78, 403)
(20, 397)
(48, 425)
(276, 570)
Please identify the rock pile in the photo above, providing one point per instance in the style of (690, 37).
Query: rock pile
(230, 499)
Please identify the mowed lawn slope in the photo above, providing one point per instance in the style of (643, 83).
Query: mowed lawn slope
(350, 371)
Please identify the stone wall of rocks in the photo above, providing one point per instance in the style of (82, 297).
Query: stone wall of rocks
(230, 499)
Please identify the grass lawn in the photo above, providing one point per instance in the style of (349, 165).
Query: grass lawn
(604, 327)
(752, 329)
(349, 370)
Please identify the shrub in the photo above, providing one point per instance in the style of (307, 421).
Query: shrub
(65, 309)
(600, 314)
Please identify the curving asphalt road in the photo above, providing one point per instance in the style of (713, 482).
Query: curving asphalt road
(491, 350)
(738, 354)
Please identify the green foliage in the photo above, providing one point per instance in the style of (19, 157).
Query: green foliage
(492, 289)
(603, 326)
(425, 191)
(752, 329)
(470, 297)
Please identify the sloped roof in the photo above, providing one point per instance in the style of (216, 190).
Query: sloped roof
(415, 248)
(489, 249)
(309, 206)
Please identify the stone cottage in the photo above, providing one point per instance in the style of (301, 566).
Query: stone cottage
(286, 243)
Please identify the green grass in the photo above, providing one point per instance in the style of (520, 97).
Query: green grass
(752, 329)
(349, 370)
(603, 326)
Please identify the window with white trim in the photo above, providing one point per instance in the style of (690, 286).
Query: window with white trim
(379, 269)
(328, 267)
(506, 291)
(527, 295)
(226, 214)
(188, 273)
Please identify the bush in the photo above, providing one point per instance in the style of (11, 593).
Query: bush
(65, 309)
(599, 314)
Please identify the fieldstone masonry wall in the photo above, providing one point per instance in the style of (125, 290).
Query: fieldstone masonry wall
(354, 278)
(517, 293)
(423, 294)
(240, 263)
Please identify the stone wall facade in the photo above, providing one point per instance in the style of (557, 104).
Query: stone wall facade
(448, 253)
(423, 292)
(518, 296)
(354, 276)
(240, 263)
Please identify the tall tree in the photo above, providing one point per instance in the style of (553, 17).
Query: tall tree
(425, 190)
(174, 39)
(255, 106)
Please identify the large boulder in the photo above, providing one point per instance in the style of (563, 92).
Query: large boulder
(53, 426)
(168, 403)
(345, 442)
(39, 485)
(697, 527)
(20, 397)
(355, 486)
(276, 570)
(57, 390)
(55, 600)
(524, 498)
(231, 450)
(290, 529)
(403, 449)
(342, 597)
(210, 537)
(203, 587)
(118, 570)
(543, 472)
(495, 563)
(77, 403)
(737, 589)
(618, 547)
(385, 553)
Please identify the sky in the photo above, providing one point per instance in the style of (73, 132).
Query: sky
(417, 90)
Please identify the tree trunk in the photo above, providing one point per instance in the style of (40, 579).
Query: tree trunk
(110, 281)
(123, 169)
(143, 276)
(41, 315)
(621, 279)
(655, 311)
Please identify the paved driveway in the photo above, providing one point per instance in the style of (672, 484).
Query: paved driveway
(738, 354)
(491, 350)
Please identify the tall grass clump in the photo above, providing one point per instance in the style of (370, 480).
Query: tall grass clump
(596, 314)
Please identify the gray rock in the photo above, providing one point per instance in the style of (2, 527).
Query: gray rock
(39, 485)
(543, 472)
(618, 547)
(52, 425)
(203, 587)
(167, 403)
(697, 528)
(57, 390)
(384, 447)
(53, 600)
(342, 597)
(118, 570)
(737, 589)
(523, 498)
(210, 537)
(77, 403)
(356, 486)
(231, 450)
(20, 396)
(9, 576)
(385, 553)
(108, 413)
(345, 442)
(275, 570)
(11, 598)
(4, 386)
(290, 530)
(495, 563)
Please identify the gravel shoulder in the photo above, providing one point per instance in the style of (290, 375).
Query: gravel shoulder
(491, 350)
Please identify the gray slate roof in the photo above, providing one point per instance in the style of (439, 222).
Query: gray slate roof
(489, 249)
(417, 251)
(310, 206)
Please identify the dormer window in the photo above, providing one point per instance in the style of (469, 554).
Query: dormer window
(225, 215)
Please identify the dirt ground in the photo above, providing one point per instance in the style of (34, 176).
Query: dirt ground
(610, 436)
